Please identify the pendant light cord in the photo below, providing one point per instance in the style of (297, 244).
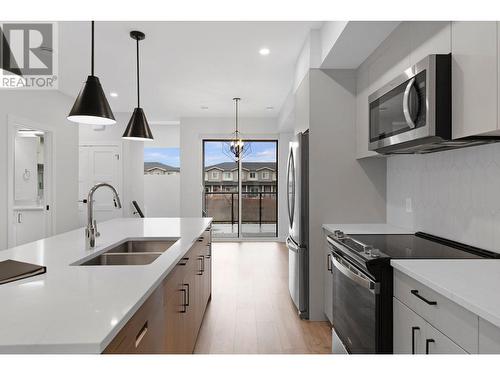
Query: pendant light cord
(236, 115)
(92, 53)
(138, 85)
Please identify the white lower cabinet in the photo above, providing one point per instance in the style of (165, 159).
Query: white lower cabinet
(414, 335)
(489, 338)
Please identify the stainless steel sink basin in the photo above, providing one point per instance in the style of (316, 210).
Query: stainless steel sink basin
(142, 247)
(131, 253)
(114, 259)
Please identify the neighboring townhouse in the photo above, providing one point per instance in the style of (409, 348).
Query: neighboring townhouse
(257, 177)
(155, 168)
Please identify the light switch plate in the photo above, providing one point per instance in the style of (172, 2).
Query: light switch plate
(409, 206)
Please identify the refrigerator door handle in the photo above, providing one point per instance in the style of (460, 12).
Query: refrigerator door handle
(292, 245)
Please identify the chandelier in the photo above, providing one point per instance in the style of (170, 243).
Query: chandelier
(236, 148)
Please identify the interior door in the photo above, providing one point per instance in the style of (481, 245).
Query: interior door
(99, 164)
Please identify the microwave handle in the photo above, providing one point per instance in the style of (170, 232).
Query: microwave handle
(406, 109)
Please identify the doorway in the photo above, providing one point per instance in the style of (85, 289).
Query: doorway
(241, 196)
(30, 181)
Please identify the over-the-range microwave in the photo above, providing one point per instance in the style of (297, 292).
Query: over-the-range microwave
(412, 113)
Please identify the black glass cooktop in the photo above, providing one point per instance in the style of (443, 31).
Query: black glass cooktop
(419, 245)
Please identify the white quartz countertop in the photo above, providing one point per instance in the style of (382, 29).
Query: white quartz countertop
(471, 283)
(373, 228)
(79, 309)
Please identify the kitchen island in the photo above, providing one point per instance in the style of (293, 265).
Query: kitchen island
(81, 309)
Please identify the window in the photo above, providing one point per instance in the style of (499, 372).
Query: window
(265, 175)
(252, 175)
(215, 175)
(227, 176)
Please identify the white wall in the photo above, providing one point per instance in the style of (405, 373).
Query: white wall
(309, 57)
(162, 192)
(132, 158)
(194, 130)
(341, 188)
(330, 32)
(48, 108)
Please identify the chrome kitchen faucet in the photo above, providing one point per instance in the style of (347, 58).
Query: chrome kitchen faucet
(91, 231)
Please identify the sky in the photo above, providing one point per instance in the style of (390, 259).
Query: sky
(169, 156)
(261, 151)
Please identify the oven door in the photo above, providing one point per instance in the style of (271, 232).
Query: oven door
(354, 306)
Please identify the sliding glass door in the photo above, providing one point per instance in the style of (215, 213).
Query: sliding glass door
(251, 183)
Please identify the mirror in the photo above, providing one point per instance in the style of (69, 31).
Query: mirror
(29, 167)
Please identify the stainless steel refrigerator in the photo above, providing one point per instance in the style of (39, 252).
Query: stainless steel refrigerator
(298, 222)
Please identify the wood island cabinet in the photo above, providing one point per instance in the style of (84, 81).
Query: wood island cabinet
(169, 320)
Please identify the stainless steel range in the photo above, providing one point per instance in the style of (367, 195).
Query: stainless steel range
(363, 282)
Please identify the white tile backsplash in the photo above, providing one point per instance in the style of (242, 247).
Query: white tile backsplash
(455, 194)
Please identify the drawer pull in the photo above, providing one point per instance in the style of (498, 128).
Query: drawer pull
(427, 342)
(141, 334)
(184, 299)
(413, 330)
(187, 289)
(200, 239)
(183, 261)
(415, 293)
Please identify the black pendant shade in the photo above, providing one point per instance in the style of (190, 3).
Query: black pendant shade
(91, 105)
(138, 128)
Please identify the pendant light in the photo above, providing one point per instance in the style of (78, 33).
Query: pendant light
(236, 148)
(91, 105)
(138, 128)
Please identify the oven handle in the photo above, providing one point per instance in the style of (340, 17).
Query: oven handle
(406, 109)
(360, 280)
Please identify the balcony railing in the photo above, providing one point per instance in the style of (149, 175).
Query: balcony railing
(258, 208)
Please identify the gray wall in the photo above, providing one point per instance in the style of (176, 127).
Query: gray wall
(342, 189)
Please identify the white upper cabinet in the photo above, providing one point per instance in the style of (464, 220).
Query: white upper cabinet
(429, 38)
(474, 78)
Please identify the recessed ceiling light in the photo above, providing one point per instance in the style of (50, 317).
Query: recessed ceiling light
(270, 108)
(113, 94)
(264, 51)
(203, 107)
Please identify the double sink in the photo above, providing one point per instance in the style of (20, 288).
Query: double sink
(131, 253)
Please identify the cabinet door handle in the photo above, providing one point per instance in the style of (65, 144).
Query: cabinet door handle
(184, 299)
(415, 293)
(187, 287)
(200, 239)
(19, 218)
(328, 262)
(141, 334)
(413, 330)
(201, 258)
(209, 255)
(183, 261)
(427, 342)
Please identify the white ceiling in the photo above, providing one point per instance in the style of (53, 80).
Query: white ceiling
(186, 65)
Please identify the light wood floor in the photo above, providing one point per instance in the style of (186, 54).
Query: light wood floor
(251, 310)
